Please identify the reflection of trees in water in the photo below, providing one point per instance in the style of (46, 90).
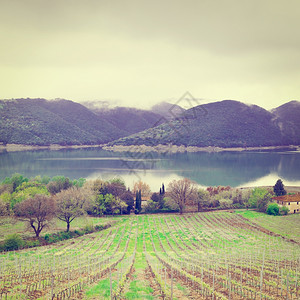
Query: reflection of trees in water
(228, 168)
(223, 168)
(289, 166)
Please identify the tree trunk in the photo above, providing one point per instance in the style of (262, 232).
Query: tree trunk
(36, 230)
(68, 226)
(181, 209)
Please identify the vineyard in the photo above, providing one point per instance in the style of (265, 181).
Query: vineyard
(215, 255)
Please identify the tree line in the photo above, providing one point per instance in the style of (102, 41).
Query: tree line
(37, 201)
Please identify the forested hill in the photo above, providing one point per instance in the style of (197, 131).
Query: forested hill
(288, 116)
(42, 122)
(130, 120)
(225, 124)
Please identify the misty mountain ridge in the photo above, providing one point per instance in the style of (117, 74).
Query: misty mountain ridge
(42, 122)
(226, 123)
(64, 122)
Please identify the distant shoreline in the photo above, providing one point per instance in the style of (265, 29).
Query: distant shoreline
(182, 148)
(19, 147)
(143, 148)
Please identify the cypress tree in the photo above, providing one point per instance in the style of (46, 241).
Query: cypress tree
(140, 201)
(279, 188)
(136, 201)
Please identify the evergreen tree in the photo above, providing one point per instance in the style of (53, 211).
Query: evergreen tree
(163, 189)
(136, 201)
(140, 200)
(279, 188)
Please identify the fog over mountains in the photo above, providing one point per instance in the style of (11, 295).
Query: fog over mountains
(226, 123)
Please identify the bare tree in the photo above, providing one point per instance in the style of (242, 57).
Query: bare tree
(72, 203)
(37, 212)
(182, 192)
(143, 187)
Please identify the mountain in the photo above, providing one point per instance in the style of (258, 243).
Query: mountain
(42, 122)
(226, 123)
(288, 119)
(130, 120)
(99, 105)
(167, 110)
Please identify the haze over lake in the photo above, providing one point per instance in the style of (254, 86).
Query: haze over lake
(206, 169)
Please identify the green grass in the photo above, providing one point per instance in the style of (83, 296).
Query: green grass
(10, 225)
(137, 290)
(250, 214)
(181, 288)
(100, 291)
(287, 226)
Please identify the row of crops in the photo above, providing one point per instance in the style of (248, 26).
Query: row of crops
(217, 255)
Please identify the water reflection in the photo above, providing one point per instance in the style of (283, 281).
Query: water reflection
(224, 168)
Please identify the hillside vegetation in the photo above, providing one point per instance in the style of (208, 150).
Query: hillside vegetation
(288, 118)
(41, 122)
(130, 120)
(225, 124)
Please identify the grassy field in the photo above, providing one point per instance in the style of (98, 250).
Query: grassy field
(10, 225)
(287, 226)
(213, 255)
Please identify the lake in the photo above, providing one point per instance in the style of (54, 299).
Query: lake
(207, 169)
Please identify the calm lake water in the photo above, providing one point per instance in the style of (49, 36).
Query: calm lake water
(207, 169)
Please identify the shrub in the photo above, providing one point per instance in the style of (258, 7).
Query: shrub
(13, 242)
(226, 203)
(170, 204)
(32, 243)
(64, 235)
(238, 205)
(273, 209)
(79, 232)
(89, 228)
(259, 199)
(151, 206)
(99, 227)
(283, 210)
(214, 203)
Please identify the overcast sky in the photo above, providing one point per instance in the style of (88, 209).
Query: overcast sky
(138, 53)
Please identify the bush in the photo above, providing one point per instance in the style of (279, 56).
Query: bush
(13, 242)
(151, 206)
(64, 235)
(283, 210)
(273, 209)
(259, 199)
(170, 204)
(89, 228)
(238, 205)
(226, 203)
(79, 232)
(99, 227)
(32, 243)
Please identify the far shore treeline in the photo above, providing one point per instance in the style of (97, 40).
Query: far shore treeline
(38, 200)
